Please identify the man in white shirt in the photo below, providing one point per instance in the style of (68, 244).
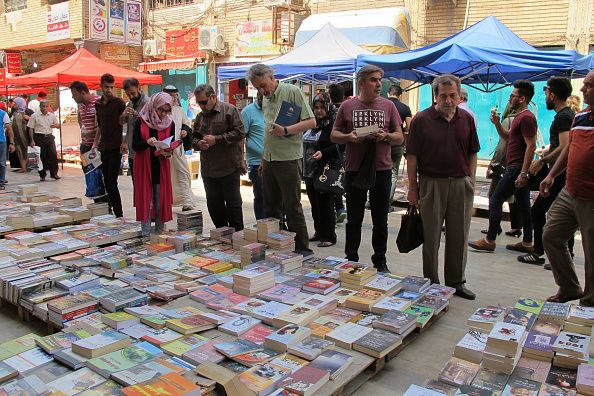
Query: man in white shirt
(464, 105)
(42, 124)
(35, 103)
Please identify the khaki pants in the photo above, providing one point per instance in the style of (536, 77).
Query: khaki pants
(181, 179)
(448, 199)
(565, 217)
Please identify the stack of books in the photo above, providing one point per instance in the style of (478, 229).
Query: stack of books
(64, 309)
(385, 284)
(580, 320)
(101, 344)
(124, 298)
(397, 322)
(585, 379)
(238, 240)
(571, 349)
(321, 286)
(98, 208)
(377, 343)
(471, 347)
(415, 283)
(250, 233)
(285, 337)
(288, 261)
(79, 283)
(281, 240)
(222, 234)
(483, 319)
(364, 299)
(356, 277)
(190, 220)
(504, 347)
(253, 281)
(252, 253)
(264, 227)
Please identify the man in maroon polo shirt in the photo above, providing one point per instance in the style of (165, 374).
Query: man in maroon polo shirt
(441, 148)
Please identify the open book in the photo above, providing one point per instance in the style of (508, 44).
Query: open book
(166, 145)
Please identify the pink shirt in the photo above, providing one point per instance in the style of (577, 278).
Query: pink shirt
(355, 114)
(88, 120)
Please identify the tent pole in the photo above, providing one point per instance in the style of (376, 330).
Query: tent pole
(60, 122)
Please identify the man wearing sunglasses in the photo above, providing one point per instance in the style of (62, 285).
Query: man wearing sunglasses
(218, 135)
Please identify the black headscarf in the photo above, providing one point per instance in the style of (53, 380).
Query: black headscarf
(324, 98)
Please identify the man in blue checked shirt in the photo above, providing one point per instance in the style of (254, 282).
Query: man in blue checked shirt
(253, 123)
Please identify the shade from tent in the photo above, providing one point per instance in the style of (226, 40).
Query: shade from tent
(380, 30)
(81, 66)
(486, 54)
(327, 57)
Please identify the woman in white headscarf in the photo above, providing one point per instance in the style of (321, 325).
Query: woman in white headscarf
(181, 178)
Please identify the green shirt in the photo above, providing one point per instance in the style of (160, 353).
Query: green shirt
(283, 148)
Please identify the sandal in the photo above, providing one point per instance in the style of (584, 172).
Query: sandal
(531, 258)
(558, 298)
(326, 244)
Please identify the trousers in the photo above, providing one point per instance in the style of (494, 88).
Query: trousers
(111, 164)
(48, 154)
(223, 200)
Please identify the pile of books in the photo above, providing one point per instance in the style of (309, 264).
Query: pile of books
(252, 253)
(190, 220)
(252, 281)
(282, 241)
(264, 227)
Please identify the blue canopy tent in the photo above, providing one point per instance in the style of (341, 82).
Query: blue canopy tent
(328, 56)
(487, 55)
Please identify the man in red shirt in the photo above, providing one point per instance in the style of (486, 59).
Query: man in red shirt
(521, 143)
(574, 207)
(442, 148)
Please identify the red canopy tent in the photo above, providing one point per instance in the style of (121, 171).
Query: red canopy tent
(13, 91)
(81, 66)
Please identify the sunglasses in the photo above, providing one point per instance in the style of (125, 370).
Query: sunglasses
(202, 102)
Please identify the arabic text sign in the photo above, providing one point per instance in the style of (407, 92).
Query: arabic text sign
(58, 26)
(254, 38)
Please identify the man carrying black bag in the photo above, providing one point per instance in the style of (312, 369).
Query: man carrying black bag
(442, 148)
(369, 125)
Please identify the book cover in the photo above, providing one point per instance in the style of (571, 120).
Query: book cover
(290, 362)
(238, 347)
(544, 326)
(310, 347)
(423, 314)
(270, 310)
(61, 340)
(532, 369)
(553, 390)
(391, 304)
(379, 341)
(437, 303)
(416, 390)
(146, 371)
(572, 343)
(563, 377)
(440, 291)
(289, 334)
(408, 295)
(458, 372)
(348, 333)
(160, 336)
(252, 359)
(529, 304)
(239, 325)
(204, 353)
(540, 342)
(30, 385)
(332, 361)
(306, 379)
(28, 360)
(257, 334)
(342, 314)
(76, 382)
(415, 283)
(486, 315)
(183, 345)
(491, 381)
(521, 386)
(168, 384)
(585, 375)
(365, 318)
(507, 332)
(395, 321)
(99, 340)
(473, 340)
(554, 310)
(520, 317)
(123, 359)
(262, 378)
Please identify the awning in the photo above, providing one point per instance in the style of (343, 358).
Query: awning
(167, 64)
(380, 30)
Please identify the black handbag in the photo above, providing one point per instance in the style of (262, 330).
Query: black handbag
(329, 181)
(410, 235)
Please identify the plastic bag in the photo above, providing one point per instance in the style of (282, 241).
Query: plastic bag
(410, 235)
(34, 157)
(94, 181)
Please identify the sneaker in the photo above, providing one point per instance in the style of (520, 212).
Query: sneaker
(341, 216)
(531, 258)
(520, 247)
(483, 245)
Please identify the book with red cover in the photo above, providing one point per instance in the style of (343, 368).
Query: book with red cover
(169, 149)
(257, 334)
(321, 285)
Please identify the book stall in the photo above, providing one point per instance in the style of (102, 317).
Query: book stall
(534, 348)
(236, 312)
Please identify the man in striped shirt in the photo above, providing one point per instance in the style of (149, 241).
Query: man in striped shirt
(87, 118)
(574, 207)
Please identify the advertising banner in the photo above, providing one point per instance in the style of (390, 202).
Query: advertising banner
(133, 22)
(13, 63)
(117, 22)
(58, 25)
(98, 19)
(183, 43)
(254, 38)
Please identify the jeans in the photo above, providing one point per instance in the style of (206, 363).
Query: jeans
(505, 188)
(49, 156)
(223, 200)
(355, 203)
(111, 164)
(257, 189)
(322, 211)
(397, 152)
(155, 203)
(3, 162)
(539, 211)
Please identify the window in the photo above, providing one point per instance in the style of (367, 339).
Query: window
(14, 5)
(159, 4)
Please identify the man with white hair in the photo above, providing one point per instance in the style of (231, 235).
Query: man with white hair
(464, 104)
(283, 152)
(181, 178)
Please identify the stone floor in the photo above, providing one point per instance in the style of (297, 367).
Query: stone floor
(497, 278)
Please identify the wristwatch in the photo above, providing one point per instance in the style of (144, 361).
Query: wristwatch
(524, 175)
(286, 131)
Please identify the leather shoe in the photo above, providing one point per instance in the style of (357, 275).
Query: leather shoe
(463, 292)
(520, 247)
(56, 177)
(483, 245)
(383, 268)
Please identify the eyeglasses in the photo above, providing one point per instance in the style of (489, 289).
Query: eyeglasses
(514, 96)
(544, 89)
(202, 102)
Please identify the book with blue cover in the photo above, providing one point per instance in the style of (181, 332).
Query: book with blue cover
(288, 114)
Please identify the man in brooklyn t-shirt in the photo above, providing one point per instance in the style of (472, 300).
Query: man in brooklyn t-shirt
(368, 109)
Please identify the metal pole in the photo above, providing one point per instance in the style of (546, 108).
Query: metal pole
(60, 122)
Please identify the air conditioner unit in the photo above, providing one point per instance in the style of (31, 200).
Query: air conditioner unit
(283, 3)
(152, 47)
(211, 39)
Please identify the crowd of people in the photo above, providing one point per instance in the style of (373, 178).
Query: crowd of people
(361, 139)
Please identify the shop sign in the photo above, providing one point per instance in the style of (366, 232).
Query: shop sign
(183, 43)
(98, 19)
(13, 63)
(58, 25)
(254, 38)
(2, 76)
(118, 21)
(115, 53)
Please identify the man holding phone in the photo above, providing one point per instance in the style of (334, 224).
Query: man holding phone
(137, 101)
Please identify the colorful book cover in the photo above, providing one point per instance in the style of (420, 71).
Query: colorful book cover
(257, 334)
(184, 344)
(458, 372)
(168, 384)
(563, 377)
(305, 379)
(540, 342)
(263, 377)
(529, 305)
(331, 361)
(423, 314)
(123, 359)
(520, 317)
(238, 347)
(76, 382)
(521, 386)
(204, 353)
(18, 345)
